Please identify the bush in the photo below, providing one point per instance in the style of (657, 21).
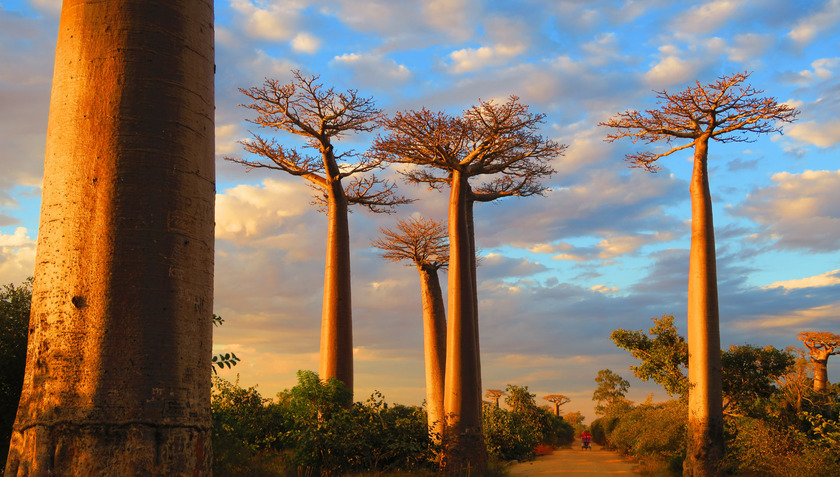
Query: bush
(514, 435)
(313, 428)
(758, 447)
(652, 430)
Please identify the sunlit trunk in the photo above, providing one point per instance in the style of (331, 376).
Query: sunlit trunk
(463, 441)
(434, 337)
(118, 364)
(336, 317)
(820, 373)
(705, 396)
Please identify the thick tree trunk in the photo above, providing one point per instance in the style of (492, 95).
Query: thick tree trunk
(434, 337)
(474, 283)
(820, 373)
(118, 364)
(336, 317)
(705, 396)
(463, 440)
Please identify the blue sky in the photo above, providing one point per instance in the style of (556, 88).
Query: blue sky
(606, 248)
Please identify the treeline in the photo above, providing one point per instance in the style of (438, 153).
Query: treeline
(778, 421)
(311, 429)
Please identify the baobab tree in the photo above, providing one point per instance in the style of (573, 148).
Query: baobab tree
(303, 107)
(558, 400)
(499, 141)
(724, 111)
(821, 345)
(424, 243)
(495, 395)
(117, 377)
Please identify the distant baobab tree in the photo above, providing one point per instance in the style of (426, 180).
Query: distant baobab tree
(723, 111)
(558, 400)
(495, 395)
(117, 377)
(821, 345)
(303, 107)
(500, 142)
(423, 242)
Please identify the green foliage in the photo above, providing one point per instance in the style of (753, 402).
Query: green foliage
(514, 434)
(610, 391)
(749, 376)
(313, 427)
(652, 430)
(247, 433)
(223, 359)
(664, 354)
(761, 447)
(14, 325)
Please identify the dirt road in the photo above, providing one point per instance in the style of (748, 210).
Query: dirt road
(595, 463)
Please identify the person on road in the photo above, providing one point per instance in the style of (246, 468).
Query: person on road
(586, 438)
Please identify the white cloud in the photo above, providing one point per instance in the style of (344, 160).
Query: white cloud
(820, 134)
(278, 22)
(671, 69)
(794, 321)
(706, 17)
(227, 136)
(306, 43)
(247, 213)
(800, 211)
(749, 47)
(467, 60)
(603, 289)
(373, 70)
(807, 29)
(826, 279)
(17, 256)
(50, 6)
(450, 16)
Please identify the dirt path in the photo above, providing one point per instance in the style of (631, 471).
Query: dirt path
(595, 463)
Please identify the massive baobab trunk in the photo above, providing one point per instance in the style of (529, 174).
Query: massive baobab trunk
(705, 395)
(474, 281)
(118, 364)
(434, 335)
(820, 374)
(336, 318)
(463, 440)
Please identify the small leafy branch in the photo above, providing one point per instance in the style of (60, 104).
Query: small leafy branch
(221, 360)
(225, 359)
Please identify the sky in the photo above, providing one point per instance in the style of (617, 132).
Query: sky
(605, 248)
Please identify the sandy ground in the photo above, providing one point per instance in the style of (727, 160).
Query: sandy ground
(576, 462)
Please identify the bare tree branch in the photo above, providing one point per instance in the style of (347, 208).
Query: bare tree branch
(724, 111)
(424, 242)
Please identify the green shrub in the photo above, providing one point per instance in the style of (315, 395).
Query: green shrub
(515, 434)
(653, 430)
(313, 428)
(761, 448)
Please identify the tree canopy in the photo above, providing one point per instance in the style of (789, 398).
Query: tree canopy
(663, 354)
(725, 111)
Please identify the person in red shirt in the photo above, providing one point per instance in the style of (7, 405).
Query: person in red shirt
(586, 437)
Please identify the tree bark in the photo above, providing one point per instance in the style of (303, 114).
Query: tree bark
(474, 284)
(820, 373)
(118, 363)
(463, 439)
(705, 395)
(434, 337)
(336, 317)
